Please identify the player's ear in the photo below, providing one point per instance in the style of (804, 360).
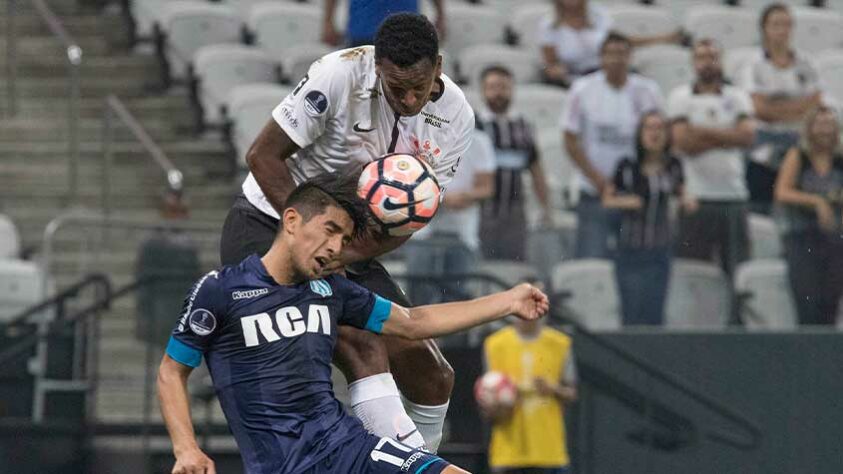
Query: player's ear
(290, 220)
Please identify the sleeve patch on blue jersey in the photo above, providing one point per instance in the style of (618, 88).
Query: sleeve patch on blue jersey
(183, 354)
(379, 315)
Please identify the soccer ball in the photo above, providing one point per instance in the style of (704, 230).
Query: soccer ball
(495, 391)
(402, 192)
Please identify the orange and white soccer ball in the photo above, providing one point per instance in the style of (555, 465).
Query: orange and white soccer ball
(402, 192)
(495, 391)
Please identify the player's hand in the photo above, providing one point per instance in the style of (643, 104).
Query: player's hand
(528, 302)
(544, 388)
(193, 462)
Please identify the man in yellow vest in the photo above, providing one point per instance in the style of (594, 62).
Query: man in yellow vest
(530, 439)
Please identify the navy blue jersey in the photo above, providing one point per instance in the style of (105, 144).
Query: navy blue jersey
(268, 348)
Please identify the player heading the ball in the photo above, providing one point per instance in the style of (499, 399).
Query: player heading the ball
(267, 328)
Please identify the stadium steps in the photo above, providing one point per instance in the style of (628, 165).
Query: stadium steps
(33, 184)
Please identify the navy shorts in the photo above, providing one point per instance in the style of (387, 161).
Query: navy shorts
(369, 454)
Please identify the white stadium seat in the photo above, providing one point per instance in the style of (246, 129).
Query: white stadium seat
(145, 13)
(765, 240)
(732, 27)
(22, 285)
(547, 246)
(558, 168)
(469, 25)
(641, 20)
(249, 109)
(221, 67)
(669, 65)
(593, 300)
(9, 239)
(525, 22)
(830, 66)
(765, 293)
(541, 104)
(474, 59)
(735, 59)
(698, 296)
(279, 27)
(189, 25)
(297, 61)
(817, 29)
(759, 5)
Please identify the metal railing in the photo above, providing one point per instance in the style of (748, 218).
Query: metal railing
(74, 62)
(115, 108)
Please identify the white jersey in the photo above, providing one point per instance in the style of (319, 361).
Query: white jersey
(338, 116)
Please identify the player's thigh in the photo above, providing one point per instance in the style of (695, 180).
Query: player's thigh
(420, 370)
(246, 231)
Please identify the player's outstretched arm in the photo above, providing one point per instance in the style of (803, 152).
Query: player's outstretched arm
(175, 408)
(267, 160)
(424, 322)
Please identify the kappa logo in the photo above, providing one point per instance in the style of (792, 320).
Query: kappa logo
(321, 287)
(243, 295)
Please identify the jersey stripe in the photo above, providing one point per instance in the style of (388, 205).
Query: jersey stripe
(183, 354)
(379, 315)
(394, 135)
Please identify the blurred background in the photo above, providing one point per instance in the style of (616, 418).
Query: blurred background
(705, 332)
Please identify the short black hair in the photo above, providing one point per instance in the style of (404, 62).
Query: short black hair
(405, 39)
(769, 10)
(495, 69)
(615, 37)
(314, 196)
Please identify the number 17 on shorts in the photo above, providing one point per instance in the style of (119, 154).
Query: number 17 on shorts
(391, 457)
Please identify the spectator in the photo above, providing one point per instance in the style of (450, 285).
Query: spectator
(503, 224)
(456, 227)
(810, 191)
(643, 187)
(784, 86)
(169, 260)
(571, 40)
(365, 16)
(599, 123)
(540, 360)
(712, 125)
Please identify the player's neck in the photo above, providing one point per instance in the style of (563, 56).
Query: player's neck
(279, 266)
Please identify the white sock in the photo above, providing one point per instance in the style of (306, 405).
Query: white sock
(377, 403)
(429, 420)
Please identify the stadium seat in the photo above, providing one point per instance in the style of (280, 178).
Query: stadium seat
(817, 29)
(541, 104)
(765, 241)
(249, 109)
(474, 59)
(698, 296)
(735, 59)
(764, 294)
(670, 66)
(525, 22)
(469, 25)
(22, 285)
(297, 61)
(218, 68)
(558, 168)
(587, 292)
(9, 239)
(279, 27)
(186, 26)
(830, 66)
(759, 5)
(547, 246)
(732, 27)
(144, 15)
(640, 20)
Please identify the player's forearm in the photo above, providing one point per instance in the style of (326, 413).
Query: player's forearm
(448, 318)
(175, 409)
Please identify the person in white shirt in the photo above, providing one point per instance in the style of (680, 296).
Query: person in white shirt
(450, 244)
(352, 107)
(712, 125)
(571, 40)
(785, 87)
(599, 124)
